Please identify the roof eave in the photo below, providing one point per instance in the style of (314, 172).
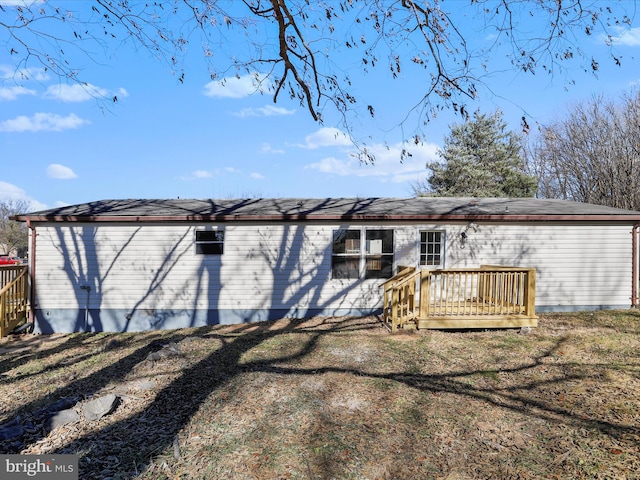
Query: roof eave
(320, 218)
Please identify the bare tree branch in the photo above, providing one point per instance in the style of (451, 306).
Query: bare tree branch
(426, 39)
(593, 155)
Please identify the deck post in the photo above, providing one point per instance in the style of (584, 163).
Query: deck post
(385, 303)
(530, 293)
(3, 311)
(425, 294)
(394, 309)
(410, 295)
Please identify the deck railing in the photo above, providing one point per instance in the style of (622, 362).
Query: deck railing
(489, 297)
(14, 294)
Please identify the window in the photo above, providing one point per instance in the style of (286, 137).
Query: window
(350, 256)
(345, 259)
(209, 242)
(379, 254)
(431, 247)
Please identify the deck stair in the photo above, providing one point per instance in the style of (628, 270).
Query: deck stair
(14, 297)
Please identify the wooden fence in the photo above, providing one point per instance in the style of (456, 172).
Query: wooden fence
(14, 295)
(485, 297)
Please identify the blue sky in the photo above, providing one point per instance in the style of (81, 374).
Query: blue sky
(197, 139)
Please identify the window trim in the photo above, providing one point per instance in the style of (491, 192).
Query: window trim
(349, 253)
(380, 257)
(363, 255)
(200, 245)
(443, 243)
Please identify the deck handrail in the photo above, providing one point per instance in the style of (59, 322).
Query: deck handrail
(451, 296)
(399, 294)
(14, 305)
(403, 272)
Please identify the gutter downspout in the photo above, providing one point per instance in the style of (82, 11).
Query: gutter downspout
(635, 265)
(32, 272)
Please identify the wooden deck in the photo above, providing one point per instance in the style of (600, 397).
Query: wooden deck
(14, 295)
(485, 297)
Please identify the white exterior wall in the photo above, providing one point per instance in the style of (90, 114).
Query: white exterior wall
(149, 276)
(146, 274)
(577, 265)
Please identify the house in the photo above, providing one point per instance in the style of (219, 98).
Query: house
(128, 265)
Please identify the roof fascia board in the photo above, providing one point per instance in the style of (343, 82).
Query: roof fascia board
(319, 218)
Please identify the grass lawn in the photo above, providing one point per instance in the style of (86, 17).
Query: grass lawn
(339, 398)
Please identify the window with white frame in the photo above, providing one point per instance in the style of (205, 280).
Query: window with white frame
(351, 256)
(432, 248)
(209, 242)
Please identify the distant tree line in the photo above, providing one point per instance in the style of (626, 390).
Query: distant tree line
(13, 235)
(592, 155)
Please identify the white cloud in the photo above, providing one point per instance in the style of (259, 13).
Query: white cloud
(335, 166)
(626, 37)
(326, 137)
(197, 175)
(60, 172)
(257, 176)
(6, 71)
(39, 122)
(234, 87)
(387, 167)
(72, 93)
(20, 3)
(11, 93)
(9, 72)
(202, 174)
(268, 149)
(217, 173)
(80, 93)
(266, 111)
(9, 191)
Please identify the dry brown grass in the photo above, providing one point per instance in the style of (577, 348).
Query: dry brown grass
(342, 398)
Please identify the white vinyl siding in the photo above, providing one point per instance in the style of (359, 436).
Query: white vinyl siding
(274, 266)
(577, 264)
(156, 267)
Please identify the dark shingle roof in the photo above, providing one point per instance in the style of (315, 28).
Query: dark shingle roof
(290, 209)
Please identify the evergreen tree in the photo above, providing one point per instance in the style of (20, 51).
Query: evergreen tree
(480, 158)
